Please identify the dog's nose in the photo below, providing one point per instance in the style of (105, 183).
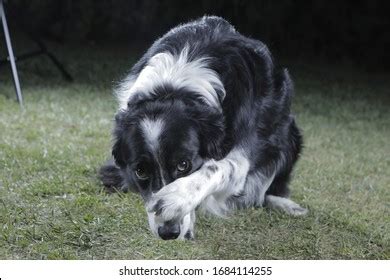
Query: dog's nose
(169, 231)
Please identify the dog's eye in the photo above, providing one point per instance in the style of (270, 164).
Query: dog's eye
(183, 166)
(141, 173)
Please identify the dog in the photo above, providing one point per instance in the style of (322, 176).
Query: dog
(204, 122)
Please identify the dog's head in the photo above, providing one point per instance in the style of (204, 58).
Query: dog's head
(158, 141)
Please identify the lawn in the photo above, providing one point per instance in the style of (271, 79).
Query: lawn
(52, 205)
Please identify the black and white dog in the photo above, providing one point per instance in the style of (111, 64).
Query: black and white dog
(204, 122)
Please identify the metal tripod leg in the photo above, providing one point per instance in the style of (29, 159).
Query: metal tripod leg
(11, 55)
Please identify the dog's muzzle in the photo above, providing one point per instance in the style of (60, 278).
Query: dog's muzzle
(169, 231)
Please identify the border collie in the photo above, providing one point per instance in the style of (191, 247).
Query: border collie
(204, 122)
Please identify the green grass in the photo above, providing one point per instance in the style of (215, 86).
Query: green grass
(53, 207)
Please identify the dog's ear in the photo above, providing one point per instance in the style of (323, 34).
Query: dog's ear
(118, 152)
(211, 132)
(120, 149)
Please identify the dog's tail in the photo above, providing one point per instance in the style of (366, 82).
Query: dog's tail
(111, 177)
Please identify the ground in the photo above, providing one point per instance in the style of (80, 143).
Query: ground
(52, 205)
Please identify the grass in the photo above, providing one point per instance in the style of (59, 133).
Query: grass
(53, 207)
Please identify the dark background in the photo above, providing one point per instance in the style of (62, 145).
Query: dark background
(354, 31)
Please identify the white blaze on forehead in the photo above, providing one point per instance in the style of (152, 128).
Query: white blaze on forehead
(177, 71)
(151, 130)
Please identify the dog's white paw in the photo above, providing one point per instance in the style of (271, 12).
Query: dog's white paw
(286, 205)
(296, 210)
(172, 202)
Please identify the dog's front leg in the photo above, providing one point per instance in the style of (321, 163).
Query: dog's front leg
(225, 177)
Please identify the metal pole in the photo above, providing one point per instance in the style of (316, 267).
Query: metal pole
(11, 55)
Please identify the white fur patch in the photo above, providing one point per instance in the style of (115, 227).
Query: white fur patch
(231, 178)
(178, 71)
(151, 130)
(256, 185)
